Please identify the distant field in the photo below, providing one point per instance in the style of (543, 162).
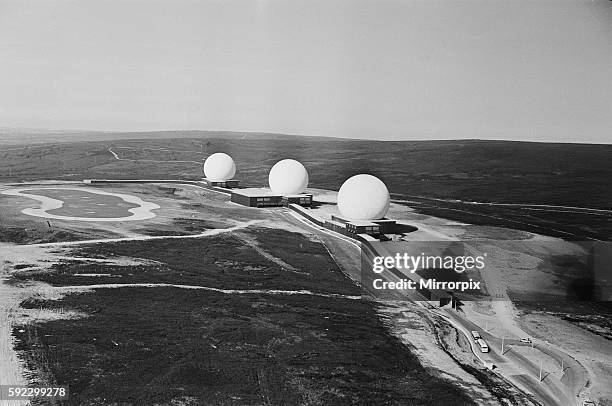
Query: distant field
(77, 203)
(483, 171)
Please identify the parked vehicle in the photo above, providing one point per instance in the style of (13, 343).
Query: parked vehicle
(483, 345)
(475, 334)
(526, 340)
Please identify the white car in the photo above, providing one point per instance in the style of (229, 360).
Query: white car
(526, 340)
(475, 334)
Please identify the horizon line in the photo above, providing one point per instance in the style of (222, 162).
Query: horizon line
(68, 131)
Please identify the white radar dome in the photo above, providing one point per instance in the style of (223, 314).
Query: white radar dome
(363, 197)
(288, 177)
(219, 166)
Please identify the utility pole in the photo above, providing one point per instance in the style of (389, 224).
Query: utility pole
(487, 326)
(540, 370)
(502, 349)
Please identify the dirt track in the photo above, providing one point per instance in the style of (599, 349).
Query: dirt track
(197, 287)
(11, 369)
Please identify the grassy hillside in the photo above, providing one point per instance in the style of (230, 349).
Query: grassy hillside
(162, 345)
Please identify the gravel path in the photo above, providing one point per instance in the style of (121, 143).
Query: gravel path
(11, 369)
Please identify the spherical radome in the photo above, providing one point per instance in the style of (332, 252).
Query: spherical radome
(288, 177)
(219, 166)
(363, 197)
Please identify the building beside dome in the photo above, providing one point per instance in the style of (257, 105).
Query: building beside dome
(264, 197)
(288, 180)
(363, 200)
(373, 227)
(219, 170)
(360, 212)
(363, 203)
(227, 184)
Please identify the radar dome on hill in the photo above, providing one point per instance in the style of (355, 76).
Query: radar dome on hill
(288, 177)
(363, 197)
(219, 166)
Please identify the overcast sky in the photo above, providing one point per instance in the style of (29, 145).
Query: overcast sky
(532, 70)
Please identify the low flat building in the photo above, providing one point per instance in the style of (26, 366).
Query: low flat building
(264, 197)
(231, 183)
(387, 226)
(303, 199)
(335, 226)
(371, 227)
(256, 197)
(358, 226)
(363, 227)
